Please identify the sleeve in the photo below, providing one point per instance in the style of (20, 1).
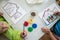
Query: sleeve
(12, 34)
(2, 18)
(56, 28)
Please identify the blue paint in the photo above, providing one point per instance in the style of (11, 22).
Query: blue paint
(34, 25)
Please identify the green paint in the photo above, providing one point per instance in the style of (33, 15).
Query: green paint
(30, 29)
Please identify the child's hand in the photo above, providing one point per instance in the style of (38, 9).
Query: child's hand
(23, 34)
(56, 13)
(3, 27)
(1, 14)
(45, 30)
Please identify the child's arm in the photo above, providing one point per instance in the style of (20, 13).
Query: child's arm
(47, 31)
(52, 36)
(14, 35)
(10, 33)
(3, 26)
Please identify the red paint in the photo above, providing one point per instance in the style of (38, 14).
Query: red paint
(25, 23)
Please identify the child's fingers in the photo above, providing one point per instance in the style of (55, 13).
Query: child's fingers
(23, 34)
(45, 30)
(56, 13)
(5, 29)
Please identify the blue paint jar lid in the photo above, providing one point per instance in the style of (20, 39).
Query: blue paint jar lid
(34, 25)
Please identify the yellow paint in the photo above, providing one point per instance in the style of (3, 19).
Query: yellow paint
(30, 21)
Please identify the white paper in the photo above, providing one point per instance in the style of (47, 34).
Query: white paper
(10, 8)
(14, 10)
(48, 12)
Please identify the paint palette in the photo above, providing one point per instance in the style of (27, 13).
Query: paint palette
(31, 27)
